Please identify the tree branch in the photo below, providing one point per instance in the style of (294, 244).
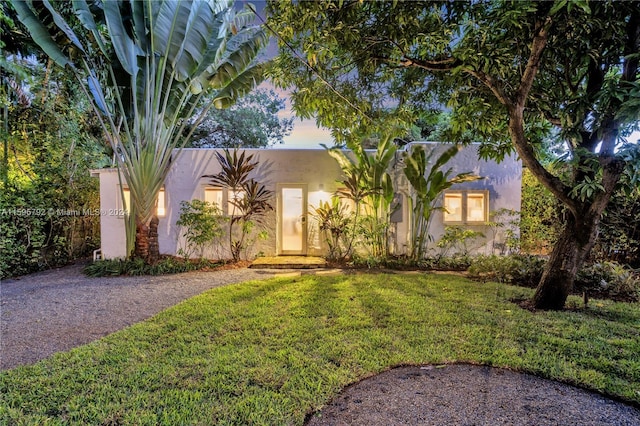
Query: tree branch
(516, 123)
(537, 48)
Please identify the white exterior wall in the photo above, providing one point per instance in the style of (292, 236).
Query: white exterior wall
(112, 232)
(502, 181)
(313, 167)
(275, 166)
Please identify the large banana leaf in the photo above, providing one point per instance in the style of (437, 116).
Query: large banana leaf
(40, 33)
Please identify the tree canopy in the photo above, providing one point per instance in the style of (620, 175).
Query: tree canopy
(512, 74)
(252, 122)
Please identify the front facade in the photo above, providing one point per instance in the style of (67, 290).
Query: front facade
(301, 179)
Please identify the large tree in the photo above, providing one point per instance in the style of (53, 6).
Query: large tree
(512, 74)
(145, 66)
(253, 122)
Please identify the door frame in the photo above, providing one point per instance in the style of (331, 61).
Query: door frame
(304, 218)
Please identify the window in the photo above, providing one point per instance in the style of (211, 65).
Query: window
(453, 207)
(160, 206)
(213, 196)
(223, 199)
(475, 208)
(466, 206)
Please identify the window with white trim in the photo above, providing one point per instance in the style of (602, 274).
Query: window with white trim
(466, 207)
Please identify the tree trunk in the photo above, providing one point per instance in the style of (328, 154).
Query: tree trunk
(147, 246)
(568, 255)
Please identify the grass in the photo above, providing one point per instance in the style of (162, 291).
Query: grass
(268, 352)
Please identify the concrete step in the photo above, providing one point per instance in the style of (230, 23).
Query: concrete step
(289, 262)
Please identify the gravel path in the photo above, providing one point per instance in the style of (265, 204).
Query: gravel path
(56, 310)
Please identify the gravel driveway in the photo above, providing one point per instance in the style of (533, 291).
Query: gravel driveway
(56, 310)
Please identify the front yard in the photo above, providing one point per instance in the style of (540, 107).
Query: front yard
(268, 352)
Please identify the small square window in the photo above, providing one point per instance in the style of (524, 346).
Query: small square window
(476, 208)
(453, 207)
(234, 199)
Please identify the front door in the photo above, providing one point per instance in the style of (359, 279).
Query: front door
(292, 219)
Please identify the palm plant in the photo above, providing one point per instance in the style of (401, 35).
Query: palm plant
(145, 66)
(427, 190)
(252, 200)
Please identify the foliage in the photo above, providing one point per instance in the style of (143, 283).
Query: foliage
(519, 269)
(507, 222)
(251, 200)
(540, 212)
(201, 222)
(337, 223)
(137, 267)
(457, 239)
(427, 189)
(283, 348)
(619, 237)
(49, 206)
(370, 187)
(252, 122)
(511, 73)
(455, 262)
(145, 66)
(609, 280)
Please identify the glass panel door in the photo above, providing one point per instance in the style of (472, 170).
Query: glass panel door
(293, 219)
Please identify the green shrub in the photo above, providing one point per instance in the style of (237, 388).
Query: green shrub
(523, 270)
(457, 239)
(456, 262)
(201, 224)
(137, 267)
(609, 280)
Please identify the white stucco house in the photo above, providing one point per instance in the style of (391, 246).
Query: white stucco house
(300, 179)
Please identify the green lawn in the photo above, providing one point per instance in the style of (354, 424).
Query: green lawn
(268, 352)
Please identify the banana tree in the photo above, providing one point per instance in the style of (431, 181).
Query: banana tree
(427, 188)
(145, 66)
(368, 174)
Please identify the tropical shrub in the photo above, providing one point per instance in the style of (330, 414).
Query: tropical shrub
(49, 203)
(523, 270)
(201, 224)
(369, 186)
(457, 239)
(619, 237)
(336, 223)
(540, 222)
(250, 203)
(137, 267)
(609, 280)
(144, 67)
(427, 188)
